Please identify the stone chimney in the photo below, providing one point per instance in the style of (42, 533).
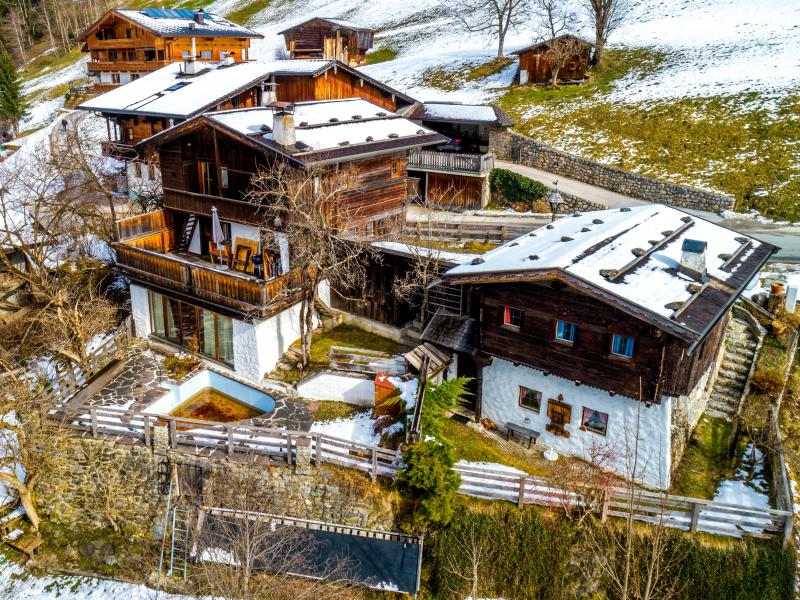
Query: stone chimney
(693, 259)
(269, 95)
(199, 17)
(190, 66)
(283, 123)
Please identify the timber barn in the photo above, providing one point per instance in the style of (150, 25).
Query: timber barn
(125, 44)
(185, 286)
(333, 39)
(536, 62)
(455, 174)
(600, 321)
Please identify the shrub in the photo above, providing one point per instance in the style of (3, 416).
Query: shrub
(512, 188)
(430, 483)
(768, 380)
(180, 365)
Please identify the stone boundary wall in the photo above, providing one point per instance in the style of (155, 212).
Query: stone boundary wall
(515, 147)
(575, 204)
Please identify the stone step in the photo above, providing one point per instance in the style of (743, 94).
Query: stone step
(745, 344)
(740, 366)
(735, 336)
(723, 398)
(737, 351)
(710, 412)
(727, 375)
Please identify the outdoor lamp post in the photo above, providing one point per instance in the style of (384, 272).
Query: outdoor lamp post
(555, 200)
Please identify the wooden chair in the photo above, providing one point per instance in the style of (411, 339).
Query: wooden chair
(243, 249)
(220, 255)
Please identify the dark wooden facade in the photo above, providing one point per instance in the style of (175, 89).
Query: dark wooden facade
(660, 364)
(537, 61)
(330, 39)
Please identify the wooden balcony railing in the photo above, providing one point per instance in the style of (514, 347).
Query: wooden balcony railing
(117, 149)
(429, 160)
(141, 230)
(228, 209)
(248, 295)
(97, 66)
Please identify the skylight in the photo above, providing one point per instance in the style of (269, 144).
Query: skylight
(176, 86)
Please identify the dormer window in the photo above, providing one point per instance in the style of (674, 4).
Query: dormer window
(565, 331)
(622, 345)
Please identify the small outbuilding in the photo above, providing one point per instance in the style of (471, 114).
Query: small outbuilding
(332, 39)
(536, 62)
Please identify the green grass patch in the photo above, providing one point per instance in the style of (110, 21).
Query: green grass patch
(705, 462)
(380, 55)
(443, 78)
(468, 444)
(343, 335)
(245, 13)
(465, 247)
(329, 410)
(487, 69)
(726, 143)
(51, 62)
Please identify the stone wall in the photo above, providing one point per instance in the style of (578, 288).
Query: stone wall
(512, 146)
(102, 478)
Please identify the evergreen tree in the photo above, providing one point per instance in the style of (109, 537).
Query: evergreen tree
(12, 99)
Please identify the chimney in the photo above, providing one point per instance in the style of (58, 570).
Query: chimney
(229, 60)
(269, 93)
(283, 123)
(190, 66)
(693, 259)
(199, 17)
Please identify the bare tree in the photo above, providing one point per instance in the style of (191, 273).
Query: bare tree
(427, 262)
(493, 18)
(327, 238)
(557, 22)
(471, 547)
(607, 16)
(244, 554)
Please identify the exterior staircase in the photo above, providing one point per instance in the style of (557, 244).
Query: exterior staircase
(740, 348)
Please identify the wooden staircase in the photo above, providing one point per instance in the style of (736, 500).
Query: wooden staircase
(187, 232)
(740, 347)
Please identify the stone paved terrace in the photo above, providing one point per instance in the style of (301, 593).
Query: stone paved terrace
(142, 381)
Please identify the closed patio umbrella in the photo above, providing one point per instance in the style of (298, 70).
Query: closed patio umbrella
(216, 228)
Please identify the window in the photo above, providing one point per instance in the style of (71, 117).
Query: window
(129, 134)
(186, 55)
(594, 420)
(206, 54)
(512, 317)
(565, 331)
(622, 345)
(223, 175)
(160, 54)
(134, 76)
(194, 328)
(530, 399)
(395, 168)
(560, 415)
(115, 78)
(128, 33)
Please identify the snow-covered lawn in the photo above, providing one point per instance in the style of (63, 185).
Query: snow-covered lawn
(359, 428)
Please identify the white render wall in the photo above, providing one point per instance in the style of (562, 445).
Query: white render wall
(140, 310)
(500, 403)
(148, 183)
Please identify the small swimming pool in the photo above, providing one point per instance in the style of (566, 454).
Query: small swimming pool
(210, 396)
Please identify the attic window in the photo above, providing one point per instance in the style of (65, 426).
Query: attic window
(176, 86)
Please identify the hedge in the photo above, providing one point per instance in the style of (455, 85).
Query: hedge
(515, 188)
(533, 554)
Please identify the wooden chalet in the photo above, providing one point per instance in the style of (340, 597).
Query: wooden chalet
(125, 44)
(456, 174)
(180, 91)
(208, 162)
(600, 318)
(536, 62)
(333, 39)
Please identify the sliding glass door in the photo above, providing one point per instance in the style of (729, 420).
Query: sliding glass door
(194, 328)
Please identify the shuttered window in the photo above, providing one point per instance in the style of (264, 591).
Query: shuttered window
(565, 331)
(622, 345)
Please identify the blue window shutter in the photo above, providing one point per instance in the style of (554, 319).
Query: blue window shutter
(629, 346)
(615, 344)
(560, 329)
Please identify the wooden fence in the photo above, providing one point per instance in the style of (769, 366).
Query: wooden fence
(70, 377)
(678, 512)
(450, 161)
(460, 232)
(237, 442)
(361, 360)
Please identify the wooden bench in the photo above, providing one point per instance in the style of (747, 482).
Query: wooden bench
(512, 428)
(27, 543)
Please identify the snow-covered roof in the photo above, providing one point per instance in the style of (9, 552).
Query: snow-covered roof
(327, 125)
(169, 92)
(336, 22)
(408, 250)
(461, 113)
(630, 257)
(181, 23)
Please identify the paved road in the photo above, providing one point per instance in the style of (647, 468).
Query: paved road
(577, 188)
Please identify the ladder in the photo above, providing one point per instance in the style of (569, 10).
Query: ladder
(188, 231)
(179, 544)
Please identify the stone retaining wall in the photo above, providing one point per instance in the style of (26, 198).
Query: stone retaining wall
(512, 146)
(104, 484)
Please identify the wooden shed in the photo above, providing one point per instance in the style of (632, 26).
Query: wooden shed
(332, 39)
(536, 62)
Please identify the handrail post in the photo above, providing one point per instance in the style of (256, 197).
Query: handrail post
(695, 517)
(289, 449)
(374, 465)
(146, 422)
(318, 455)
(521, 497)
(173, 434)
(231, 449)
(93, 415)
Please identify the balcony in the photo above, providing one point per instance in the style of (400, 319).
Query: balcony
(450, 162)
(124, 65)
(146, 254)
(229, 209)
(119, 150)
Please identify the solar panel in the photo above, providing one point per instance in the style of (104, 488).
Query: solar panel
(169, 13)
